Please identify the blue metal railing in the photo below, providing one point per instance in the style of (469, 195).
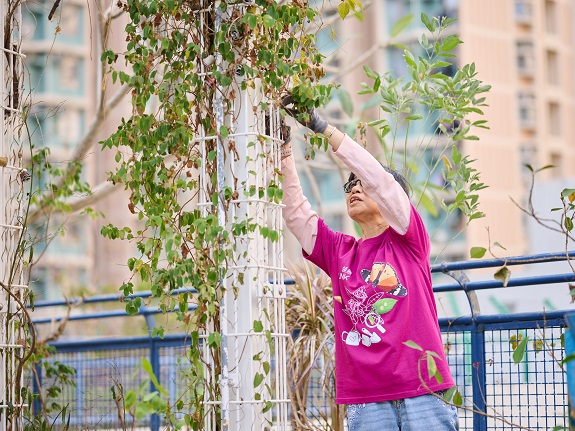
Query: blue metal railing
(497, 391)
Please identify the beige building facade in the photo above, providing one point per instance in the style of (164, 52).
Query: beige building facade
(525, 49)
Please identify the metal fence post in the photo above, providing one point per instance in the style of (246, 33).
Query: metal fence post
(570, 366)
(478, 376)
(36, 388)
(155, 362)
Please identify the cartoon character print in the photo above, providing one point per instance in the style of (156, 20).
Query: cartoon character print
(369, 302)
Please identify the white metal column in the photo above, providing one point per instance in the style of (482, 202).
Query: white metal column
(13, 202)
(253, 288)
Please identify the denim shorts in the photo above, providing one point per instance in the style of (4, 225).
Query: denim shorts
(423, 413)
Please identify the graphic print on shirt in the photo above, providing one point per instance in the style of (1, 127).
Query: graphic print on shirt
(369, 302)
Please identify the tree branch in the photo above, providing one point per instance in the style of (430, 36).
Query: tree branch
(76, 203)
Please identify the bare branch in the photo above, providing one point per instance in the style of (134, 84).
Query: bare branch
(82, 150)
(78, 203)
(53, 10)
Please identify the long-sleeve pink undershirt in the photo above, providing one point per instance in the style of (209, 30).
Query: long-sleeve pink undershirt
(378, 184)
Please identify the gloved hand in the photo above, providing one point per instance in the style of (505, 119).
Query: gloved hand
(315, 122)
(284, 129)
(285, 132)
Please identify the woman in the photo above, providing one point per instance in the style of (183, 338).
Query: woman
(382, 292)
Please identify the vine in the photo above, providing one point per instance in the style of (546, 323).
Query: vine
(193, 59)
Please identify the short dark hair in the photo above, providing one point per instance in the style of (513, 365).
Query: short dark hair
(396, 175)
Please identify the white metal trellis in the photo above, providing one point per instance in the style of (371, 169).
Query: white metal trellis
(254, 289)
(253, 285)
(12, 202)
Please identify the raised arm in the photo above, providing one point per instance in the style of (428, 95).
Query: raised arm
(300, 219)
(377, 183)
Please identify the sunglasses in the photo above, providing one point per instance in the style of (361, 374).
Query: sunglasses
(347, 187)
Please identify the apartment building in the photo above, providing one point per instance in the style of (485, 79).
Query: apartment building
(63, 84)
(525, 49)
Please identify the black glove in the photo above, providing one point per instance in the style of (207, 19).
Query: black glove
(316, 122)
(285, 130)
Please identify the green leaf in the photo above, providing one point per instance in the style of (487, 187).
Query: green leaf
(503, 275)
(147, 366)
(413, 345)
(477, 252)
(343, 9)
(496, 244)
(449, 43)
(258, 379)
(369, 72)
(431, 366)
(442, 63)
(568, 358)
(252, 21)
(448, 395)
(428, 22)
(267, 407)
(384, 305)
(546, 167)
(377, 84)
(346, 102)
(428, 204)
(401, 25)
(130, 399)
(519, 352)
(268, 21)
(455, 155)
(568, 224)
(457, 399)
(413, 117)
(258, 326)
(409, 59)
(224, 131)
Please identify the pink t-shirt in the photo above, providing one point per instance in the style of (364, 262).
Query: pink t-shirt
(382, 298)
(381, 286)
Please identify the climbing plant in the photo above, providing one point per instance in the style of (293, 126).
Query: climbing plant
(192, 58)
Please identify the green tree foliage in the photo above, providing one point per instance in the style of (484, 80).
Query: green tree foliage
(430, 112)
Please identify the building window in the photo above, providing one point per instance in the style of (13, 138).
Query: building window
(526, 110)
(33, 22)
(552, 64)
(523, 11)
(554, 119)
(71, 69)
(550, 16)
(70, 127)
(68, 74)
(525, 57)
(72, 28)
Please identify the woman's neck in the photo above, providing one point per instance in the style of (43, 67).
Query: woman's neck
(373, 230)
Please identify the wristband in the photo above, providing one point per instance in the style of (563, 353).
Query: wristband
(285, 153)
(331, 133)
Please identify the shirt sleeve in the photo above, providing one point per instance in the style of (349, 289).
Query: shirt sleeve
(300, 219)
(325, 250)
(378, 184)
(416, 237)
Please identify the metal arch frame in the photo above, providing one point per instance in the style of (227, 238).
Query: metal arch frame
(12, 201)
